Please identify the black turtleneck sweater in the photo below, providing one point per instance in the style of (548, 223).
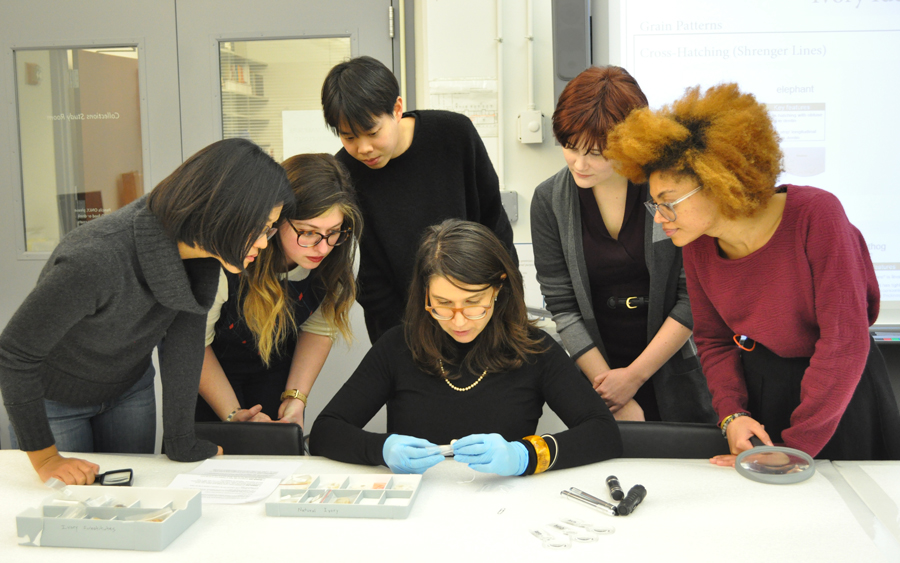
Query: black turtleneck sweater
(110, 292)
(424, 406)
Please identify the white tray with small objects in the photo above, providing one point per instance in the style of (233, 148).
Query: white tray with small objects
(137, 518)
(345, 496)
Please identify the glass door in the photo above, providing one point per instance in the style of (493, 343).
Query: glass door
(258, 73)
(90, 122)
(271, 92)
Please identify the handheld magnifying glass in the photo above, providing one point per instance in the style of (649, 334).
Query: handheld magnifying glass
(116, 478)
(777, 465)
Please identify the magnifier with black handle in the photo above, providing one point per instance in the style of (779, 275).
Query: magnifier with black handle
(777, 465)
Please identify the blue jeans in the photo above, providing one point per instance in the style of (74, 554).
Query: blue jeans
(125, 424)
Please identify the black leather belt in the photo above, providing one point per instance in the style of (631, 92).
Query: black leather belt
(628, 302)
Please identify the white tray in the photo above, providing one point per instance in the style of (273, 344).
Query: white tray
(345, 496)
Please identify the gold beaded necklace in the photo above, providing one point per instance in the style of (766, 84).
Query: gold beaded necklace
(454, 387)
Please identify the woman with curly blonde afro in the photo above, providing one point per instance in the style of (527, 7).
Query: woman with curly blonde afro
(781, 284)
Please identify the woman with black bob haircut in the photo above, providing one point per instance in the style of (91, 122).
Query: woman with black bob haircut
(467, 365)
(270, 331)
(75, 368)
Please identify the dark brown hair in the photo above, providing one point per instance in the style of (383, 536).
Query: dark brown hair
(319, 183)
(469, 253)
(723, 139)
(220, 199)
(592, 104)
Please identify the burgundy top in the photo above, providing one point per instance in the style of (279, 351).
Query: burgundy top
(617, 268)
(810, 291)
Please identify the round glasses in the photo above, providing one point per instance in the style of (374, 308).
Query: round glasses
(473, 312)
(667, 210)
(309, 239)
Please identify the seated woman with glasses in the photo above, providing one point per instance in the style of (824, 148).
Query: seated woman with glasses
(270, 331)
(781, 283)
(612, 280)
(466, 365)
(75, 367)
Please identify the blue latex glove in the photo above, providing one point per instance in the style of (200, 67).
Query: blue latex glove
(405, 454)
(490, 453)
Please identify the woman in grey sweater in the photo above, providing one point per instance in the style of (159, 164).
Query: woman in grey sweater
(75, 369)
(610, 276)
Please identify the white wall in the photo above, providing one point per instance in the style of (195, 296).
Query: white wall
(457, 39)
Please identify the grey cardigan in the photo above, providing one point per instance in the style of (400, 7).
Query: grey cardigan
(681, 390)
(110, 292)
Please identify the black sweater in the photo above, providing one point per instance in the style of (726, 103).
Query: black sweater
(424, 406)
(110, 292)
(445, 173)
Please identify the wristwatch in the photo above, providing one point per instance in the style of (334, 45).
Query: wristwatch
(294, 394)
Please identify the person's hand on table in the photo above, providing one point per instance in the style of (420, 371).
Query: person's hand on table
(739, 432)
(490, 453)
(617, 386)
(406, 454)
(253, 414)
(70, 470)
(291, 410)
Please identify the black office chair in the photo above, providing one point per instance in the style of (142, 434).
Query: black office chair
(680, 440)
(253, 438)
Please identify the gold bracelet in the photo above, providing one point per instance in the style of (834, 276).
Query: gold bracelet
(230, 417)
(728, 420)
(294, 394)
(555, 443)
(542, 451)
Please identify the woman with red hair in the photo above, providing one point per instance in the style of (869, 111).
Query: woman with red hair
(611, 278)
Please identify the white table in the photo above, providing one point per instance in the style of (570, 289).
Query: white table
(694, 511)
(877, 483)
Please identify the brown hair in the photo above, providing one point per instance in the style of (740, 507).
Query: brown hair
(723, 139)
(592, 104)
(319, 183)
(469, 253)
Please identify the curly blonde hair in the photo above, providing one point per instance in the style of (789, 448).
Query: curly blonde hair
(723, 139)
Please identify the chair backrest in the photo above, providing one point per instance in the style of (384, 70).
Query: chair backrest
(682, 440)
(253, 438)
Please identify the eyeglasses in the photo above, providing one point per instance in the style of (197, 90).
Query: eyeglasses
(667, 210)
(268, 233)
(309, 239)
(473, 312)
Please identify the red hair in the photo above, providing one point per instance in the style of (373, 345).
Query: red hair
(592, 104)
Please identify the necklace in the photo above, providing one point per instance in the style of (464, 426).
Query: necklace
(454, 387)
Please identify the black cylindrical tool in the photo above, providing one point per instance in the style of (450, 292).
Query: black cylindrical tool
(631, 501)
(615, 490)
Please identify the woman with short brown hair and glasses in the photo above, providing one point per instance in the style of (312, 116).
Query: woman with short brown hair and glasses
(270, 331)
(612, 280)
(467, 365)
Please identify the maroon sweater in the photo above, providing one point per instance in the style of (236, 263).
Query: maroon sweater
(809, 292)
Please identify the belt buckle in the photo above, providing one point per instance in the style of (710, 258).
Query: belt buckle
(628, 302)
